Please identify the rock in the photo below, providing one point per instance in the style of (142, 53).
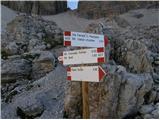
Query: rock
(121, 69)
(156, 62)
(30, 108)
(11, 49)
(14, 70)
(136, 53)
(30, 36)
(36, 44)
(43, 64)
(138, 15)
(155, 77)
(97, 9)
(152, 96)
(145, 109)
(43, 100)
(147, 116)
(37, 7)
(155, 114)
(116, 97)
(121, 22)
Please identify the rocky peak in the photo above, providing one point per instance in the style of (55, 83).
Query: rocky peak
(37, 7)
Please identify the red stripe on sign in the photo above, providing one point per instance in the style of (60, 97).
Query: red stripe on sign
(67, 33)
(67, 43)
(101, 73)
(68, 69)
(100, 60)
(106, 40)
(68, 77)
(100, 50)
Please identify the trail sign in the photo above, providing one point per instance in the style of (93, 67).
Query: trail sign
(80, 39)
(85, 73)
(83, 56)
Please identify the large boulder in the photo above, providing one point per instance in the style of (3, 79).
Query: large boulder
(28, 33)
(43, 100)
(15, 69)
(119, 96)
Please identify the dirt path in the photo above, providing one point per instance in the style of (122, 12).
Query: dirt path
(69, 22)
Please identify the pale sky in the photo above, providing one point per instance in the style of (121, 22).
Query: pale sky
(72, 4)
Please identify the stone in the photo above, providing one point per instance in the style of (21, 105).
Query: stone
(155, 113)
(121, 22)
(37, 7)
(43, 64)
(145, 109)
(30, 36)
(152, 96)
(14, 70)
(116, 97)
(155, 77)
(148, 116)
(11, 49)
(30, 108)
(97, 9)
(138, 15)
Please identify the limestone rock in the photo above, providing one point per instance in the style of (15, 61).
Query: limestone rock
(145, 109)
(155, 113)
(99, 9)
(29, 108)
(29, 34)
(37, 7)
(119, 96)
(16, 69)
(43, 64)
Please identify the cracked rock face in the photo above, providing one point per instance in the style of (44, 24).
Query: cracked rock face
(37, 7)
(119, 96)
(131, 81)
(29, 108)
(14, 70)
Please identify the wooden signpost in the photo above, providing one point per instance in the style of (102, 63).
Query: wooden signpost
(86, 74)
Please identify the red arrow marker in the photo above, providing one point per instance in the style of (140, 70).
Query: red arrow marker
(102, 73)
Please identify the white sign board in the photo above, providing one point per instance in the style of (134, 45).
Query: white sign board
(85, 73)
(83, 56)
(80, 39)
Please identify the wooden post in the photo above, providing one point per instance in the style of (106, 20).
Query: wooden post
(85, 100)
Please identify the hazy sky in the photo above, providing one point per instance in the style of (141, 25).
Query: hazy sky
(72, 4)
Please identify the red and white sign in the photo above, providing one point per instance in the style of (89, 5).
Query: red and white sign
(85, 73)
(83, 56)
(80, 39)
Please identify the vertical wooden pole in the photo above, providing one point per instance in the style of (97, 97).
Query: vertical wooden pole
(85, 100)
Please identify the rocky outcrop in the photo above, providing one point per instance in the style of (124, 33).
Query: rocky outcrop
(31, 46)
(37, 7)
(27, 33)
(119, 96)
(26, 53)
(131, 72)
(98, 9)
(43, 64)
(44, 98)
(15, 69)
(28, 108)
